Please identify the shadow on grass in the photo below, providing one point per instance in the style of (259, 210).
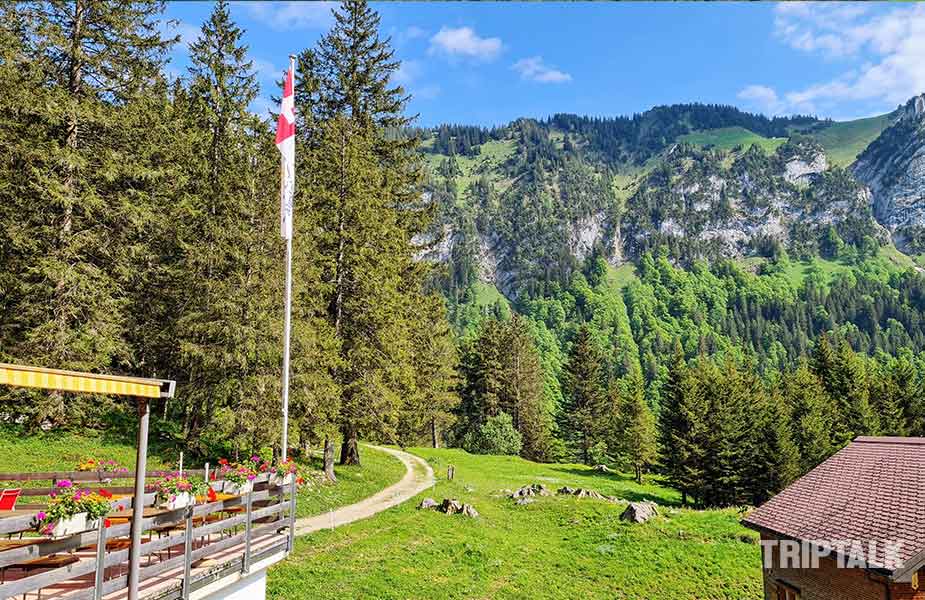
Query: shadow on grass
(633, 495)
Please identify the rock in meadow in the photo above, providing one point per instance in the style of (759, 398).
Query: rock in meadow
(427, 504)
(639, 512)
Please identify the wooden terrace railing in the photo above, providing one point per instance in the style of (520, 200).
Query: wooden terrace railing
(265, 516)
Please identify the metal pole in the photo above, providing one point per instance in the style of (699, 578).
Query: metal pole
(187, 553)
(246, 566)
(141, 464)
(100, 560)
(286, 325)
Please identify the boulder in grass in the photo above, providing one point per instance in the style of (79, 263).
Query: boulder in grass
(469, 511)
(583, 493)
(451, 507)
(639, 512)
(524, 501)
(535, 489)
(602, 469)
(427, 504)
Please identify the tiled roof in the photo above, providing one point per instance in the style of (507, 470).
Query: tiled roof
(871, 490)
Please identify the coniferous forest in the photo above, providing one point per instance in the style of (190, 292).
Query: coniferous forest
(139, 233)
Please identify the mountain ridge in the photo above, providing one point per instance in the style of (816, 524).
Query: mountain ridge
(523, 206)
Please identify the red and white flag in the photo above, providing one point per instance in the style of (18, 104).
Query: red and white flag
(285, 141)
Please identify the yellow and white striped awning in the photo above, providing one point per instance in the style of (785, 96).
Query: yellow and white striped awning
(89, 383)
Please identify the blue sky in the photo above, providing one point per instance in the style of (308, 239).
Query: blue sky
(486, 63)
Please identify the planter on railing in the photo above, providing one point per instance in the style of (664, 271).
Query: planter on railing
(75, 524)
(178, 501)
(281, 480)
(238, 489)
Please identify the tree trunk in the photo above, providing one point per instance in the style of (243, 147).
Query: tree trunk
(350, 449)
(683, 498)
(434, 438)
(329, 461)
(638, 474)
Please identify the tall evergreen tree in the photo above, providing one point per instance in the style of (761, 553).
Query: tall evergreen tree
(71, 218)
(811, 414)
(635, 435)
(228, 273)
(582, 419)
(773, 458)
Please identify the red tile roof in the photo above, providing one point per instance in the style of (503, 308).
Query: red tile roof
(871, 490)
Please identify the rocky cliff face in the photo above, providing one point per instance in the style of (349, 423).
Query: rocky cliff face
(705, 206)
(893, 167)
(530, 219)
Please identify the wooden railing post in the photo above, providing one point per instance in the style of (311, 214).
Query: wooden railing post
(100, 560)
(247, 534)
(188, 552)
(292, 504)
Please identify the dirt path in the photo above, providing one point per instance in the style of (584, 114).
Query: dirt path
(418, 477)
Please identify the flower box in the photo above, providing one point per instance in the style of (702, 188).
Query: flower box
(238, 489)
(178, 501)
(281, 480)
(75, 524)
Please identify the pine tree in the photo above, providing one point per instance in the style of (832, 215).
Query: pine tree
(773, 458)
(229, 320)
(635, 435)
(367, 303)
(522, 390)
(681, 428)
(811, 414)
(585, 409)
(431, 405)
(66, 251)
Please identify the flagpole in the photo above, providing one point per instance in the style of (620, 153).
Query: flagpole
(287, 322)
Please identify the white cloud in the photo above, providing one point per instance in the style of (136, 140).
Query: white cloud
(885, 48)
(409, 75)
(188, 33)
(267, 71)
(534, 69)
(283, 16)
(407, 72)
(762, 97)
(464, 42)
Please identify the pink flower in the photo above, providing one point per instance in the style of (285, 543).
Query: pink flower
(251, 477)
(40, 515)
(65, 483)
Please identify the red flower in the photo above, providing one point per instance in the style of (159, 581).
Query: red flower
(105, 494)
(211, 495)
(223, 461)
(107, 523)
(212, 476)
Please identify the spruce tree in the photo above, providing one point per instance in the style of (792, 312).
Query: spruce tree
(773, 457)
(582, 419)
(811, 415)
(68, 193)
(635, 435)
(682, 427)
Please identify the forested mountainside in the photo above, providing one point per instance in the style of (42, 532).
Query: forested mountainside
(523, 205)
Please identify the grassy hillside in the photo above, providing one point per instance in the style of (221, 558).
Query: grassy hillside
(845, 140)
(378, 471)
(557, 547)
(727, 138)
(62, 450)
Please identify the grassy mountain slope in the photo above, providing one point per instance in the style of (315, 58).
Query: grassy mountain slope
(727, 138)
(843, 141)
(555, 547)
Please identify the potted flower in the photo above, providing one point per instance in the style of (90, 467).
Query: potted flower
(108, 467)
(282, 472)
(71, 510)
(239, 479)
(174, 491)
